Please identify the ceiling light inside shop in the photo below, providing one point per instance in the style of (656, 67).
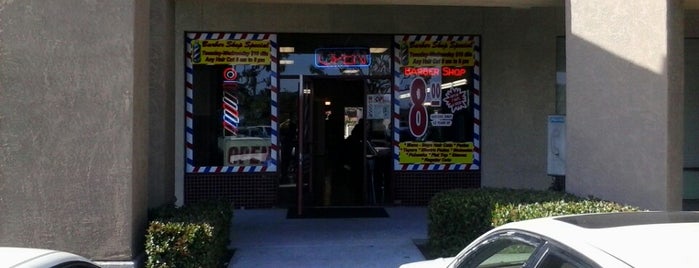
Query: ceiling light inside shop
(377, 50)
(456, 83)
(286, 49)
(350, 71)
(286, 62)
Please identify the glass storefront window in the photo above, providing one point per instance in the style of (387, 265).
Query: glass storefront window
(422, 96)
(378, 105)
(438, 91)
(288, 127)
(230, 83)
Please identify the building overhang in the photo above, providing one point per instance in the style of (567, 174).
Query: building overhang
(688, 4)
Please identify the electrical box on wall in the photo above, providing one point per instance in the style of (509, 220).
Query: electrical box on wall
(556, 145)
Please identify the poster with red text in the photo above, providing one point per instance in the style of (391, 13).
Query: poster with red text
(437, 107)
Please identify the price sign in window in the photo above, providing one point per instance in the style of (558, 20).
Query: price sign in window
(438, 93)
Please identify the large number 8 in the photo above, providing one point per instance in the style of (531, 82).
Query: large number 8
(417, 118)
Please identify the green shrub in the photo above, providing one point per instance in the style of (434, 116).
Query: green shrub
(504, 213)
(457, 217)
(190, 236)
(178, 244)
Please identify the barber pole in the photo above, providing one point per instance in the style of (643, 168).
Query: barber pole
(230, 102)
(230, 111)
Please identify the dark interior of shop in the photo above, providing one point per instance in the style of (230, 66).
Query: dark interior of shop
(338, 158)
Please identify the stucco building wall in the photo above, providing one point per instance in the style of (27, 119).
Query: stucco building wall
(74, 126)
(691, 23)
(624, 101)
(161, 156)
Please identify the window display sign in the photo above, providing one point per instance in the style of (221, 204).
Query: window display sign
(432, 71)
(342, 57)
(231, 110)
(252, 52)
(439, 52)
(437, 113)
(378, 106)
(244, 150)
(436, 152)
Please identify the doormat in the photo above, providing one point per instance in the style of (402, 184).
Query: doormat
(337, 213)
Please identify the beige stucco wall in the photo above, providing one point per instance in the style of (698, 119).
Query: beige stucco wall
(624, 101)
(518, 65)
(74, 126)
(691, 26)
(161, 156)
(519, 81)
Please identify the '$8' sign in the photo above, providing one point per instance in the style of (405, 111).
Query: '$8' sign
(417, 117)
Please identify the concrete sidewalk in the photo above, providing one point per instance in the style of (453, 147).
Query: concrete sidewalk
(265, 238)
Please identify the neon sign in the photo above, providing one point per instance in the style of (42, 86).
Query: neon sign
(434, 71)
(342, 57)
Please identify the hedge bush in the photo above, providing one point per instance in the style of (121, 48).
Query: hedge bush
(457, 217)
(504, 213)
(189, 236)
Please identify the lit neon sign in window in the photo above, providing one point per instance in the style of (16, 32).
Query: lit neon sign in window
(342, 57)
(434, 71)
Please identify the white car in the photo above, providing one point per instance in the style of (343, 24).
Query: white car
(14, 257)
(633, 239)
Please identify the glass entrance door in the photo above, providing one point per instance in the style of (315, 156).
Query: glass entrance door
(304, 174)
(338, 154)
(332, 109)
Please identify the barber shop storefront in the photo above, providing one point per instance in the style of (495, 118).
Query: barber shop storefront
(283, 119)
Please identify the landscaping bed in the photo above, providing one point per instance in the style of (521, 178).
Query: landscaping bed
(457, 217)
(190, 236)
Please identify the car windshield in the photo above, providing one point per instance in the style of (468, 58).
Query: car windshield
(500, 251)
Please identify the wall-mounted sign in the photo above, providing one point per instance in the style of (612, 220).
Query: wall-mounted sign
(250, 52)
(342, 57)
